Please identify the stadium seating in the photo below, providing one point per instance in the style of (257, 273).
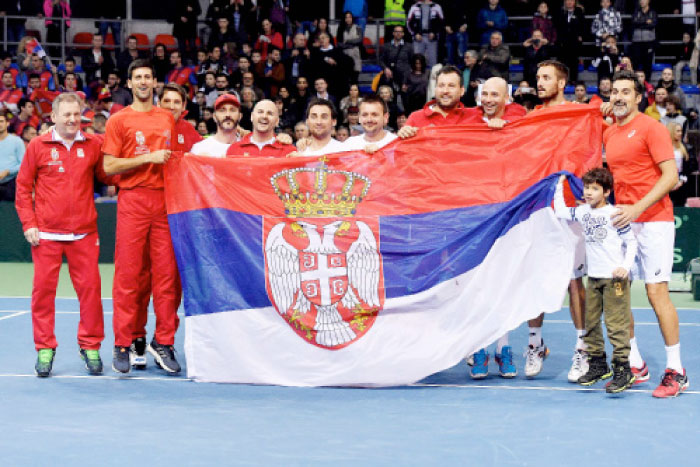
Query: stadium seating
(82, 40)
(141, 40)
(167, 40)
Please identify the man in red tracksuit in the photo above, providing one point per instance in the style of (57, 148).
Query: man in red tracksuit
(58, 169)
(137, 144)
(173, 98)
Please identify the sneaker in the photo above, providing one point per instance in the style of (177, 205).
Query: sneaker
(137, 354)
(505, 363)
(598, 370)
(93, 362)
(44, 362)
(622, 378)
(534, 357)
(470, 360)
(120, 360)
(641, 375)
(672, 384)
(579, 367)
(165, 356)
(480, 368)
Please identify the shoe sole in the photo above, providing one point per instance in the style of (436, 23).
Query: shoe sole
(641, 379)
(601, 378)
(629, 384)
(42, 376)
(508, 375)
(159, 361)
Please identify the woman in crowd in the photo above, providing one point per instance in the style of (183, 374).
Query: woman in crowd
(415, 86)
(349, 41)
(542, 20)
(160, 61)
(351, 100)
(679, 193)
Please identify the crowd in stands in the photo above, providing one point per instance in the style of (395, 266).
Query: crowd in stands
(281, 50)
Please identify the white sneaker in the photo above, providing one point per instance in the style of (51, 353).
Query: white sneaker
(534, 357)
(579, 367)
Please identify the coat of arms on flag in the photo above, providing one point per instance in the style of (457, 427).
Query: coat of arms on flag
(322, 263)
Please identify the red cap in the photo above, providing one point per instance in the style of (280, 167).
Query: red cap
(104, 94)
(226, 99)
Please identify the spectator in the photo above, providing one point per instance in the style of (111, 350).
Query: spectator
(604, 88)
(29, 132)
(359, 11)
(321, 27)
(203, 129)
(56, 29)
(415, 86)
(214, 62)
(425, 22)
(10, 95)
(542, 20)
(490, 19)
(351, 100)
(350, 39)
(184, 19)
(180, 74)
(247, 104)
(684, 54)
(327, 63)
(69, 67)
(643, 36)
(209, 89)
(648, 95)
(658, 108)
(394, 15)
(300, 98)
(268, 38)
(469, 77)
(301, 131)
(11, 155)
(608, 58)
(671, 86)
(395, 57)
(537, 49)
(128, 55)
(298, 60)
(494, 58)
(674, 114)
(569, 25)
(221, 34)
(97, 61)
(15, 26)
(249, 81)
(387, 95)
(321, 88)
(342, 133)
(302, 17)
(160, 62)
(70, 82)
(689, 12)
(608, 22)
(40, 67)
(678, 194)
(25, 118)
(119, 95)
(272, 71)
(111, 13)
(580, 96)
(456, 35)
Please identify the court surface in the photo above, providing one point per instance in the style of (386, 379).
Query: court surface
(447, 418)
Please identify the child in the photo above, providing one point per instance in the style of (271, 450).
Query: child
(608, 285)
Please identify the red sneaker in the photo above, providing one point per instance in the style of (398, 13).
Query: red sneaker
(672, 384)
(641, 375)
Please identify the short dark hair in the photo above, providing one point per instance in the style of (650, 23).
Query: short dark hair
(140, 63)
(375, 99)
(33, 75)
(675, 100)
(176, 88)
(447, 69)
(600, 176)
(5, 72)
(580, 83)
(4, 114)
(603, 78)
(69, 58)
(323, 102)
(23, 102)
(629, 75)
(562, 70)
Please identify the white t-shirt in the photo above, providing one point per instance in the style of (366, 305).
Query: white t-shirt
(604, 242)
(332, 146)
(210, 147)
(359, 142)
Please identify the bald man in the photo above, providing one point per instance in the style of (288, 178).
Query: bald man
(496, 108)
(262, 142)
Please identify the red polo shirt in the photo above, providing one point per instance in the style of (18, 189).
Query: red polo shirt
(428, 117)
(511, 113)
(246, 148)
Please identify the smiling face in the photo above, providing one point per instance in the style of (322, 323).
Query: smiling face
(494, 95)
(448, 90)
(320, 121)
(264, 117)
(624, 98)
(172, 101)
(142, 82)
(67, 119)
(373, 118)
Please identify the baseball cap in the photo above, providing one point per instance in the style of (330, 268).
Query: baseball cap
(226, 99)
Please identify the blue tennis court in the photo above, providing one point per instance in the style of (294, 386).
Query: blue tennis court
(153, 419)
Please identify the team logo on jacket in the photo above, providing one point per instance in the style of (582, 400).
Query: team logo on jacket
(180, 138)
(54, 154)
(322, 263)
(81, 153)
(141, 147)
(140, 139)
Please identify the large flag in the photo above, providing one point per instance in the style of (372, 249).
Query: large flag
(373, 270)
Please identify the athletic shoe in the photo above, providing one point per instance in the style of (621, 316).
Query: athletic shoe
(534, 357)
(137, 354)
(641, 375)
(622, 378)
(598, 370)
(505, 362)
(579, 367)
(93, 362)
(165, 356)
(470, 360)
(120, 359)
(480, 369)
(672, 384)
(44, 362)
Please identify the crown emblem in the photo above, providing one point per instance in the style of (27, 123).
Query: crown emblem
(320, 191)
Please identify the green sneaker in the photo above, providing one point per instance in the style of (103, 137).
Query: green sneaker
(93, 362)
(44, 362)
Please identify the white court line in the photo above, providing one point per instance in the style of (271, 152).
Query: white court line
(531, 388)
(15, 313)
(140, 378)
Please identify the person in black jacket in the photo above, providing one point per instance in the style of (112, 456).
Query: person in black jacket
(184, 19)
(569, 24)
(97, 61)
(537, 49)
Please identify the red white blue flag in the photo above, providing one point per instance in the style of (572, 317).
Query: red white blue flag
(373, 270)
(34, 47)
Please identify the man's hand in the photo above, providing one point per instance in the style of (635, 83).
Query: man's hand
(625, 214)
(4, 174)
(562, 178)
(387, 73)
(620, 273)
(303, 143)
(32, 236)
(606, 109)
(371, 148)
(496, 123)
(407, 132)
(160, 156)
(242, 132)
(284, 138)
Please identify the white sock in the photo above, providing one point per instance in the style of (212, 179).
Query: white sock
(673, 357)
(501, 342)
(636, 359)
(580, 344)
(535, 339)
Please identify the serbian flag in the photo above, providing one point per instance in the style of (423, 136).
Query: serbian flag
(373, 270)
(34, 47)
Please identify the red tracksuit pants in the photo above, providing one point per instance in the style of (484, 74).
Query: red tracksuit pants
(143, 235)
(82, 256)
